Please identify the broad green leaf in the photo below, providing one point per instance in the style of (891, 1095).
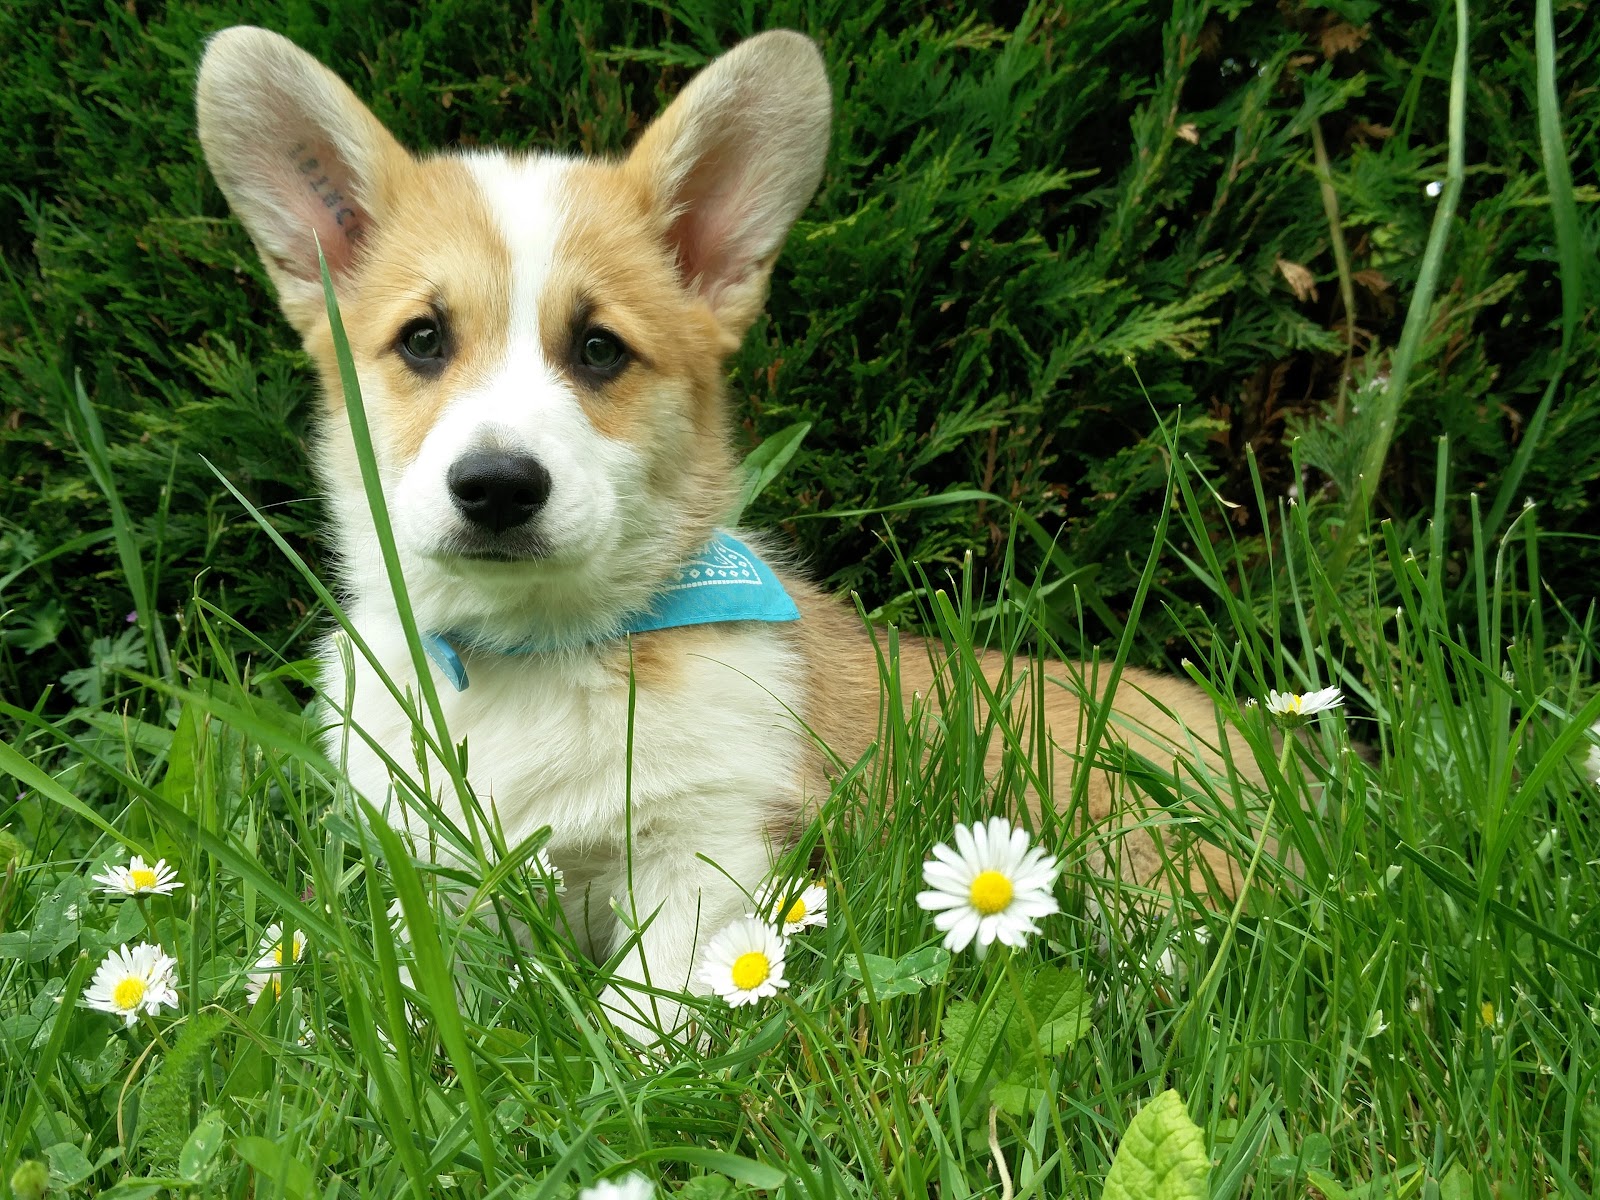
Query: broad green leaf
(1061, 1007)
(69, 1166)
(970, 1040)
(271, 1162)
(99, 1067)
(1456, 1184)
(904, 976)
(1383, 1187)
(127, 926)
(1386, 1187)
(1162, 1156)
(54, 924)
(40, 628)
(1017, 1099)
(765, 463)
(182, 755)
(1316, 1152)
(201, 1148)
(745, 1170)
(705, 1187)
(1327, 1185)
(132, 1189)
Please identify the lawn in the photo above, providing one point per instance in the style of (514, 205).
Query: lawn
(1050, 386)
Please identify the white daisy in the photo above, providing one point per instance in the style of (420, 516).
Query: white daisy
(138, 878)
(1291, 707)
(633, 1187)
(129, 982)
(1591, 762)
(796, 910)
(270, 964)
(744, 963)
(991, 887)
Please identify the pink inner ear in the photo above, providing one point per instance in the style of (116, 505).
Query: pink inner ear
(315, 187)
(707, 236)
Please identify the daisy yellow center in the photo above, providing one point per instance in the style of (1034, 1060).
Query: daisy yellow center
(751, 970)
(142, 878)
(797, 911)
(277, 954)
(128, 993)
(1294, 703)
(991, 893)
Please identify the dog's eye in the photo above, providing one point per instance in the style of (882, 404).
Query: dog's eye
(422, 343)
(602, 351)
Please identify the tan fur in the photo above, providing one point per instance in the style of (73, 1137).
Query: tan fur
(610, 261)
(657, 660)
(1162, 718)
(768, 94)
(408, 266)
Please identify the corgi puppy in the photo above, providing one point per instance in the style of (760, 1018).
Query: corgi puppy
(540, 342)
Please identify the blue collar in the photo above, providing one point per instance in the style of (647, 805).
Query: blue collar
(727, 581)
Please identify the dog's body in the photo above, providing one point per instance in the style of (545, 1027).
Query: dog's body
(540, 344)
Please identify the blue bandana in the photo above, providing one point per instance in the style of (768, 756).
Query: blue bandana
(726, 581)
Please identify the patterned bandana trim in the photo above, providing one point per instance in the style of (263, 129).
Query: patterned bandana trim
(727, 581)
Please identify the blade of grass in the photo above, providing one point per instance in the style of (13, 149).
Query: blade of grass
(378, 507)
(1418, 316)
(44, 1066)
(433, 973)
(97, 457)
(1569, 250)
(32, 776)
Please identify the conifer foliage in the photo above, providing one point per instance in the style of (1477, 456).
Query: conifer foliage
(1043, 230)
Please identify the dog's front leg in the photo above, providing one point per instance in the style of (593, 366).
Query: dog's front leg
(687, 883)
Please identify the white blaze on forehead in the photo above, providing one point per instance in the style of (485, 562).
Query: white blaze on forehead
(515, 400)
(527, 199)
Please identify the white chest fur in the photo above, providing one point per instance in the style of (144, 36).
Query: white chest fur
(715, 765)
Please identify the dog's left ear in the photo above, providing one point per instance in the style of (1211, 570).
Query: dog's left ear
(731, 164)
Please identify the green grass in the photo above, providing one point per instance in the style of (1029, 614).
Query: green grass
(1407, 1004)
(1408, 998)
(1405, 1000)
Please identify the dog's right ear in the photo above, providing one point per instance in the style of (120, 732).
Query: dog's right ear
(298, 156)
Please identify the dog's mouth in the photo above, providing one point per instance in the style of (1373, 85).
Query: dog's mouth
(510, 548)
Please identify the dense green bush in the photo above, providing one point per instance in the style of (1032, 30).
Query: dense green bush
(1041, 230)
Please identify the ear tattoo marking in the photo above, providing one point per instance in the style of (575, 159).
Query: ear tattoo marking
(321, 186)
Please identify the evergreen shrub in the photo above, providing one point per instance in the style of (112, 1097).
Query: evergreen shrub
(1043, 230)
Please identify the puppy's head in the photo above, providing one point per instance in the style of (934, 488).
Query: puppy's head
(539, 339)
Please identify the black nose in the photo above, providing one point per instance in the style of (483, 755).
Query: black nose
(498, 491)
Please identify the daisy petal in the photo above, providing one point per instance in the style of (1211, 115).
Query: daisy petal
(968, 908)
